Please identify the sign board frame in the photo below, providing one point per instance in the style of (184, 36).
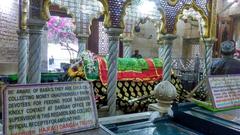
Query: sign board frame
(91, 92)
(211, 93)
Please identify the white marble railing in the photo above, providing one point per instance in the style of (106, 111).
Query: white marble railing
(187, 64)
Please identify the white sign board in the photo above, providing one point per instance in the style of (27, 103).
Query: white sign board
(49, 108)
(225, 91)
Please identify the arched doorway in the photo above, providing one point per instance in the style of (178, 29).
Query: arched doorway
(141, 25)
(189, 48)
(68, 30)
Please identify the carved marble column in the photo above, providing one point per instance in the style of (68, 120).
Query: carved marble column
(208, 55)
(22, 56)
(82, 44)
(23, 38)
(44, 50)
(161, 50)
(127, 48)
(167, 43)
(35, 43)
(113, 34)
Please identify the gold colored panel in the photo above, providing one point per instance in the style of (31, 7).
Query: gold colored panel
(45, 12)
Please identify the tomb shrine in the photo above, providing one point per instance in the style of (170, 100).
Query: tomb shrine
(121, 67)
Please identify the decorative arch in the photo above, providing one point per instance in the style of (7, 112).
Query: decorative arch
(172, 8)
(95, 16)
(200, 11)
(114, 12)
(107, 19)
(91, 21)
(126, 4)
(113, 16)
(72, 10)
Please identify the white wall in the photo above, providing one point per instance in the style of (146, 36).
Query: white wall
(147, 47)
(184, 30)
(233, 10)
(60, 55)
(8, 36)
(177, 43)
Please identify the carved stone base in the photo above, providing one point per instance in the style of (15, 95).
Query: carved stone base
(162, 109)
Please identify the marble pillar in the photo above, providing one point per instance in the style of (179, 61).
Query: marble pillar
(44, 51)
(161, 50)
(127, 48)
(82, 44)
(35, 43)
(208, 55)
(22, 56)
(167, 66)
(113, 34)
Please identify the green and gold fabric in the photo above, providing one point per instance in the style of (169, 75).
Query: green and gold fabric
(133, 95)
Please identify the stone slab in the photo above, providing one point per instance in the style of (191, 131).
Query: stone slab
(99, 131)
(125, 118)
